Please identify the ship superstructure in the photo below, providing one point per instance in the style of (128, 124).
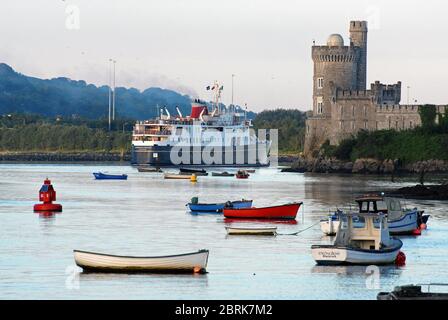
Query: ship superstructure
(222, 137)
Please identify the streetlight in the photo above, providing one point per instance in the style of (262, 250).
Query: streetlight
(113, 100)
(110, 90)
(233, 76)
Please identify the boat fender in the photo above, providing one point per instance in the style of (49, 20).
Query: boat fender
(400, 260)
(417, 232)
(423, 226)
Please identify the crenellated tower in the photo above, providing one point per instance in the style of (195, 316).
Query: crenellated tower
(358, 38)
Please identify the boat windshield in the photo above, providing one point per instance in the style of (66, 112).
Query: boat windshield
(381, 206)
(359, 222)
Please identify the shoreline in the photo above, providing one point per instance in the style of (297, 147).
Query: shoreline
(367, 166)
(64, 156)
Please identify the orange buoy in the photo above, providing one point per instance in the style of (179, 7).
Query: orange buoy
(423, 226)
(47, 195)
(400, 260)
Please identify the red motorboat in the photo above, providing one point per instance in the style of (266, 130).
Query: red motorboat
(285, 211)
(241, 174)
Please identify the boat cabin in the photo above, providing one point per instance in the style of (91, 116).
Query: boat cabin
(372, 234)
(378, 204)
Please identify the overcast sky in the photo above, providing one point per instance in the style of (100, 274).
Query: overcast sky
(187, 44)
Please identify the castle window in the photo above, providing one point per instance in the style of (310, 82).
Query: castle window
(365, 124)
(320, 105)
(411, 124)
(320, 83)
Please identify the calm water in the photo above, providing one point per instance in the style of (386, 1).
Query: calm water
(146, 215)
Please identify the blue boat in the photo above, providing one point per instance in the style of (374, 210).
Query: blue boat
(104, 176)
(196, 207)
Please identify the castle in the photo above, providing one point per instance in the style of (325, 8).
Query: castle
(341, 103)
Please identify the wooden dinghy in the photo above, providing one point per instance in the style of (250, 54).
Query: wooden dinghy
(176, 176)
(262, 231)
(106, 176)
(195, 262)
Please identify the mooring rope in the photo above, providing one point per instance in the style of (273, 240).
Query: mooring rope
(296, 233)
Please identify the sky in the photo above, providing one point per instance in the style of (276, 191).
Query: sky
(186, 45)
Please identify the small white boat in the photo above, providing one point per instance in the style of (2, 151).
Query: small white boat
(177, 176)
(401, 221)
(195, 262)
(266, 231)
(368, 244)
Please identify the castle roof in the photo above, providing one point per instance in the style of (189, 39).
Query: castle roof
(335, 40)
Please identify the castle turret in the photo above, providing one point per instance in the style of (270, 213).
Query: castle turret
(358, 38)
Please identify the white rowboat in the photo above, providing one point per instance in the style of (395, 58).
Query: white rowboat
(270, 231)
(177, 176)
(195, 262)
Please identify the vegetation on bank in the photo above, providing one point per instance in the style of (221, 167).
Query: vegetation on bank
(290, 124)
(430, 141)
(31, 133)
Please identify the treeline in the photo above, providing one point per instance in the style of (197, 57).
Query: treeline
(430, 141)
(62, 138)
(290, 124)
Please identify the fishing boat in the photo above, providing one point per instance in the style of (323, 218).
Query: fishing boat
(264, 231)
(368, 244)
(196, 207)
(414, 292)
(148, 169)
(176, 176)
(222, 174)
(250, 170)
(105, 176)
(401, 221)
(242, 174)
(195, 262)
(285, 211)
(195, 173)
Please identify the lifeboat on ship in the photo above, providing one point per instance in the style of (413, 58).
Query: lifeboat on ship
(285, 211)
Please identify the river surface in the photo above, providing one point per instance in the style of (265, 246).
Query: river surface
(146, 215)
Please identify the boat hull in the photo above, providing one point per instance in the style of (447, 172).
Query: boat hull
(177, 176)
(195, 262)
(405, 225)
(218, 207)
(103, 176)
(270, 231)
(333, 255)
(160, 156)
(287, 211)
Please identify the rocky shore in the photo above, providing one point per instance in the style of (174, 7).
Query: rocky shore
(430, 192)
(64, 156)
(366, 166)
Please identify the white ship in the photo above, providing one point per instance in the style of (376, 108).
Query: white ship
(221, 137)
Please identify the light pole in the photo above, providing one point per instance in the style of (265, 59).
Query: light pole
(110, 90)
(233, 76)
(113, 100)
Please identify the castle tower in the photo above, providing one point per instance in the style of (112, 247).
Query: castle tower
(335, 66)
(358, 38)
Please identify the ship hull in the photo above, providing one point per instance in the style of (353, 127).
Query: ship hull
(163, 156)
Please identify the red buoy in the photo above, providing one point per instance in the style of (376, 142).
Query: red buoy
(417, 232)
(400, 260)
(47, 195)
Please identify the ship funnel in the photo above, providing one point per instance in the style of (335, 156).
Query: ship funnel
(197, 108)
